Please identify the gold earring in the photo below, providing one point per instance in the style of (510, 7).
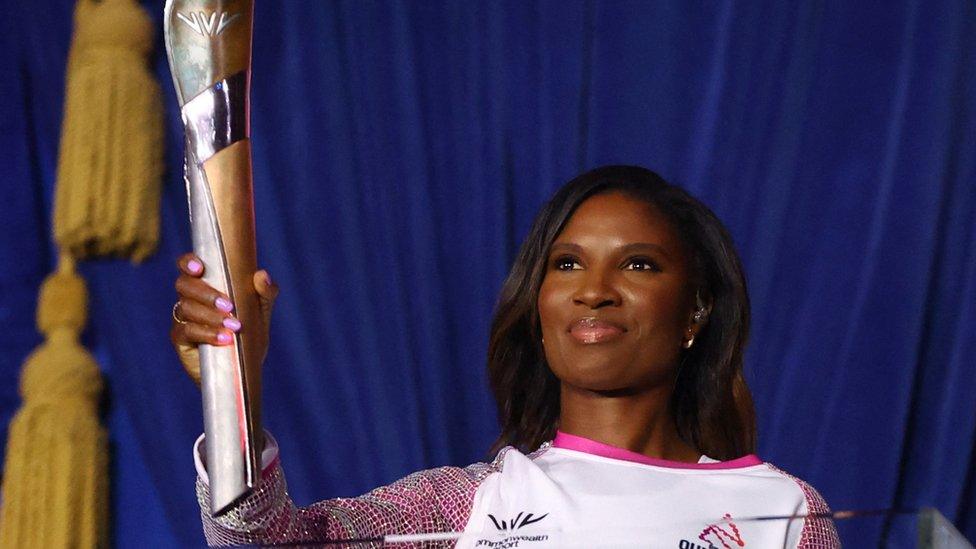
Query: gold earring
(690, 341)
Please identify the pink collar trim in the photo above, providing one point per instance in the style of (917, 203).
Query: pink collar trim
(585, 445)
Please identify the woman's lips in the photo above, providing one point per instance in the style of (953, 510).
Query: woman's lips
(592, 330)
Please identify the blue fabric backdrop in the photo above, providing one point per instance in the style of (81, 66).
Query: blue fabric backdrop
(401, 151)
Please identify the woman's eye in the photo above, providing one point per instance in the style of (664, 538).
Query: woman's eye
(565, 264)
(642, 264)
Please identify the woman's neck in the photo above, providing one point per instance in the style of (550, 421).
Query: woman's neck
(640, 422)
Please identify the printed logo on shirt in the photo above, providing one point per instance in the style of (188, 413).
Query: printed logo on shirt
(518, 522)
(717, 536)
(509, 526)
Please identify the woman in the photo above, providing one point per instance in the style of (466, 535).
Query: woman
(615, 358)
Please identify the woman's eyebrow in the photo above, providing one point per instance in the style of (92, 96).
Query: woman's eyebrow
(644, 246)
(625, 249)
(566, 247)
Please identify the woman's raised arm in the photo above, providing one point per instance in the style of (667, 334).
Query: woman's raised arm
(430, 501)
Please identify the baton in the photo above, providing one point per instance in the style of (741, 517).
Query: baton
(208, 43)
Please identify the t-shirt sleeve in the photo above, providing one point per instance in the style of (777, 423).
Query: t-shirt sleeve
(819, 531)
(434, 500)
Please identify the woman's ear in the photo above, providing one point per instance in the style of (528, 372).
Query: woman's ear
(699, 317)
(703, 307)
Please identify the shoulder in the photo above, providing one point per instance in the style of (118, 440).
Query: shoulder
(505, 458)
(815, 502)
(819, 530)
(448, 479)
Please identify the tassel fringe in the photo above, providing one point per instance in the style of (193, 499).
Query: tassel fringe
(55, 478)
(55, 482)
(110, 165)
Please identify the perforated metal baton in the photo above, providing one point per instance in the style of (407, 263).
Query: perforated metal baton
(208, 43)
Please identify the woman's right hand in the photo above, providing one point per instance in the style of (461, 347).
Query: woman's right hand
(208, 315)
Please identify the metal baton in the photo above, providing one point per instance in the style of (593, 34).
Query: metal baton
(208, 43)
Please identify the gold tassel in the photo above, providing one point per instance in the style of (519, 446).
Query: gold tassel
(55, 478)
(55, 482)
(110, 164)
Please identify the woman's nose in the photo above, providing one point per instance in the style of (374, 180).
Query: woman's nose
(596, 290)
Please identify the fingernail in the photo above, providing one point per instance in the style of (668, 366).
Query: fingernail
(224, 338)
(194, 266)
(267, 279)
(223, 305)
(232, 324)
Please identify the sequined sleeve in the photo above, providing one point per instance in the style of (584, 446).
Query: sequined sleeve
(819, 531)
(435, 500)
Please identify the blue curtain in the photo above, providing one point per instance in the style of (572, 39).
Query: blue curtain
(401, 151)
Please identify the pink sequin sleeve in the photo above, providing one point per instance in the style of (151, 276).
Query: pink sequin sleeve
(435, 500)
(819, 532)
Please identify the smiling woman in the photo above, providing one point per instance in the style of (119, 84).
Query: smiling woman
(615, 358)
(636, 290)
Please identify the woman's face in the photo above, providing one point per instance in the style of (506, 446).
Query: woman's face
(616, 301)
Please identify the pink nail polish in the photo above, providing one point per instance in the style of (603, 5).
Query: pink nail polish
(223, 305)
(194, 266)
(224, 338)
(232, 324)
(267, 279)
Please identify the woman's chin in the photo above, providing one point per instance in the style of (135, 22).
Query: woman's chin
(608, 378)
(593, 378)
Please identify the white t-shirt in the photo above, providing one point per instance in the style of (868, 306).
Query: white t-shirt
(572, 492)
(578, 492)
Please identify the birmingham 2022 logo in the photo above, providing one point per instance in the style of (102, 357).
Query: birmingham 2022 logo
(508, 529)
(518, 522)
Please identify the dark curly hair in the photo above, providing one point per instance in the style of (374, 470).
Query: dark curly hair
(711, 402)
